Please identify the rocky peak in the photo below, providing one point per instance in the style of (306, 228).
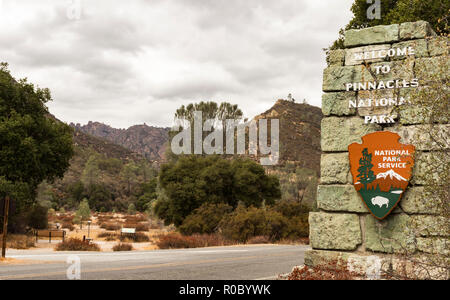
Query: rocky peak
(149, 141)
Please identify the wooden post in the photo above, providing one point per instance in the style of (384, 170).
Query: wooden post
(5, 226)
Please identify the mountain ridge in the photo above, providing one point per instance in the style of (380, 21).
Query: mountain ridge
(148, 141)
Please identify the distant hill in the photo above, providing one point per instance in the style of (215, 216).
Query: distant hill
(106, 148)
(299, 163)
(149, 141)
(299, 132)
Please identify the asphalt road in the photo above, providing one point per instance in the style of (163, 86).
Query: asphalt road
(254, 262)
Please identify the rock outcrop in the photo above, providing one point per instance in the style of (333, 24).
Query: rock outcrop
(146, 140)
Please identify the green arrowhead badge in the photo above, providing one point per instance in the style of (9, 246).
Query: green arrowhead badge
(381, 168)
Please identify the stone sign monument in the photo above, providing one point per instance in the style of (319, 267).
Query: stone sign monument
(368, 115)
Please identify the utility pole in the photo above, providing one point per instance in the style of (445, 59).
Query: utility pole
(5, 226)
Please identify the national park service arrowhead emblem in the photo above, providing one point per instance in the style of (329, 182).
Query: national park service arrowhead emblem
(381, 168)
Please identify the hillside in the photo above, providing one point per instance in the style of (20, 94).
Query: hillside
(299, 164)
(108, 149)
(299, 132)
(149, 141)
(109, 175)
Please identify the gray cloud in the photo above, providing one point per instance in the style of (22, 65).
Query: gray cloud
(125, 63)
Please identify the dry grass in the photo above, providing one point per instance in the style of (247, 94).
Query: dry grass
(79, 233)
(13, 261)
(20, 241)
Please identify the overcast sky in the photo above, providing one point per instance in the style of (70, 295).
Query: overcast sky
(129, 62)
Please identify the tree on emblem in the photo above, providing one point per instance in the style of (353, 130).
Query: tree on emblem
(365, 173)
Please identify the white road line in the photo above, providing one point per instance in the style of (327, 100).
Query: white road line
(118, 254)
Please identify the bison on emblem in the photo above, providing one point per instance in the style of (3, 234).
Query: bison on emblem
(380, 201)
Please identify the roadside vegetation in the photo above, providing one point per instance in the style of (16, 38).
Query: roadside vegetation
(122, 247)
(190, 201)
(74, 244)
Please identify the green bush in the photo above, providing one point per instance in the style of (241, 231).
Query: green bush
(37, 217)
(290, 208)
(285, 220)
(131, 209)
(193, 180)
(244, 223)
(205, 219)
(277, 225)
(112, 165)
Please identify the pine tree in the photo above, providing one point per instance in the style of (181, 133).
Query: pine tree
(131, 209)
(84, 212)
(91, 172)
(365, 173)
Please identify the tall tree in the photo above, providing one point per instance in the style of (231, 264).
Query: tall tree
(365, 173)
(34, 145)
(91, 171)
(184, 116)
(435, 12)
(129, 174)
(83, 211)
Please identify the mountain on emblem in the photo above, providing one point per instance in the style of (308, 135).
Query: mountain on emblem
(381, 168)
(391, 174)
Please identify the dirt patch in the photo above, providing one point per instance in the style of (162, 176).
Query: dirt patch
(12, 261)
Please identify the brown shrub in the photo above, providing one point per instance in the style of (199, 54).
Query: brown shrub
(74, 244)
(176, 240)
(260, 239)
(136, 238)
(130, 225)
(68, 225)
(109, 236)
(332, 270)
(122, 247)
(110, 226)
(142, 227)
(135, 218)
